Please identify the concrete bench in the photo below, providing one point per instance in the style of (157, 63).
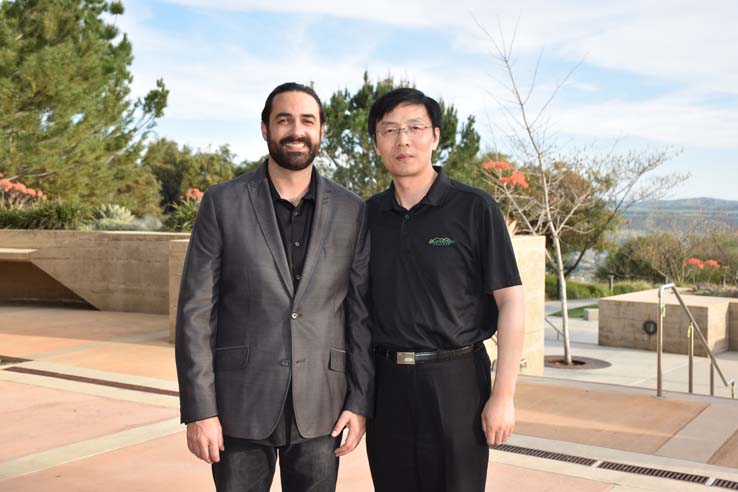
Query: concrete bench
(16, 254)
(591, 314)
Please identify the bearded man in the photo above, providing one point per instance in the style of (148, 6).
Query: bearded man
(273, 343)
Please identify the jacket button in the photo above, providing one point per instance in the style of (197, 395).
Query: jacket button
(295, 316)
(285, 362)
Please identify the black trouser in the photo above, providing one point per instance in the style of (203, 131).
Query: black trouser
(308, 466)
(426, 434)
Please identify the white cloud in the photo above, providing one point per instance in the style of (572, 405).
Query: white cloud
(218, 85)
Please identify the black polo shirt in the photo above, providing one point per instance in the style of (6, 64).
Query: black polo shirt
(294, 225)
(434, 267)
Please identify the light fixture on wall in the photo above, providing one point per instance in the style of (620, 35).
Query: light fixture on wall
(650, 327)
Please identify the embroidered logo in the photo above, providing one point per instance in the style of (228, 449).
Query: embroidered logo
(441, 241)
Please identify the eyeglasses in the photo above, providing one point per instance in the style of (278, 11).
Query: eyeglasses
(410, 130)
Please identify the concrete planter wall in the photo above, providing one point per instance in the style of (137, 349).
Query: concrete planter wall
(112, 271)
(622, 318)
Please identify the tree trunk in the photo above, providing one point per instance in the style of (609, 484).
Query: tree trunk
(562, 297)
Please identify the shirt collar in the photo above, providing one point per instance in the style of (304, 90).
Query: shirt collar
(311, 192)
(434, 196)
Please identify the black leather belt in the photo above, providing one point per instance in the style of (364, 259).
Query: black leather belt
(410, 358)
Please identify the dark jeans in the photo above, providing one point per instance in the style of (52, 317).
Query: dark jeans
(308, 466)
(426, 434)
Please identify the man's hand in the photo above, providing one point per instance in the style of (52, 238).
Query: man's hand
(205, 439)
(356, 427)
(498, 420)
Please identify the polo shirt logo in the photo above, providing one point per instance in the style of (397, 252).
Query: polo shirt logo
(441, 241)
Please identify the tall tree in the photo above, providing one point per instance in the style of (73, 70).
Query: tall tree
(67, 124)
(348, 154)
(551, 189)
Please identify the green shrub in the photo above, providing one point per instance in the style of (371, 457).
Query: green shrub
(183, 215)
(47, 215)
(585, 290)
(631, 286)
(574, 289)
(112, 212)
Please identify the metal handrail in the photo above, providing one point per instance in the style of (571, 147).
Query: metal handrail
(693, 327)
(558, 332)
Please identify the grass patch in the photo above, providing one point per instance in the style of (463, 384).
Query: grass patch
(576, 312)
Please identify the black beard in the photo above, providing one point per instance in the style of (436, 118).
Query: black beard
(292, 161)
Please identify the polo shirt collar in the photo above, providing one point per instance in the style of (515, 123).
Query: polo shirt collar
(434, 196)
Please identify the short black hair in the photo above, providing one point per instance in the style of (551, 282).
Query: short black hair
(290, 87)
(403, 95)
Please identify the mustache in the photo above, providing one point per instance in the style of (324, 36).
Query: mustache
(287, 140)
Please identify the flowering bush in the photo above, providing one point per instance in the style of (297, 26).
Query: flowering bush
(16, 194)
(516, 178)
(193, 194)
(694, 263)
(702, 270)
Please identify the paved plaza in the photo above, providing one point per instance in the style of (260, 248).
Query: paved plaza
(91, 405)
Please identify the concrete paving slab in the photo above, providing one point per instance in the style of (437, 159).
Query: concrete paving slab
(727, 455)
(154, 359)
(702, 437)
(162, 463)
(77, 323)
(520, 479)
(621, 421)
(44, 418)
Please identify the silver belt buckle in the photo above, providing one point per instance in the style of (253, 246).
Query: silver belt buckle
(406, 358)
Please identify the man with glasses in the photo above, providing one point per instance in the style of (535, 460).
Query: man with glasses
(273, 340)
(443, 279)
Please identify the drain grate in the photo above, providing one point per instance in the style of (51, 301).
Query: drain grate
(726, 484)
(654, 472)
(622, 467)
(545, 454)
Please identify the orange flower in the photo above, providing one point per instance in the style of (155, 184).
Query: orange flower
(515, 179)
(497, 165)
(712, 263)
(695, 262)
(194, 194)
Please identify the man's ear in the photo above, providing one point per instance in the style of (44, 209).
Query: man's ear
(322, 131)
(436, 137)
(264, 131)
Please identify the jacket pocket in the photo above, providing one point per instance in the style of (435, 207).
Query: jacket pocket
(337, 361)
(231, 358)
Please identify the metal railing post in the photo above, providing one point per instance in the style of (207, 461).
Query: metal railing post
(691, 358)
(660, 342)
(693, 326)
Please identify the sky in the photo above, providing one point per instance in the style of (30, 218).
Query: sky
(634, 75)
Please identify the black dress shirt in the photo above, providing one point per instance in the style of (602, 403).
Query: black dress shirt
(294, 225)
(433, 267)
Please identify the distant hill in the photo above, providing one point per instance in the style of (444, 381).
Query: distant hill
(701, 214)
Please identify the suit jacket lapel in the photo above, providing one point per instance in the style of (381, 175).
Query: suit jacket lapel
(321, 222)
(261, 200)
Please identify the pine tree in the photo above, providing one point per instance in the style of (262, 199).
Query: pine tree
(67, 123)
(348, 154)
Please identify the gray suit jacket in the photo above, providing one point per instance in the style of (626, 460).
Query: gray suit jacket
(243, 333)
